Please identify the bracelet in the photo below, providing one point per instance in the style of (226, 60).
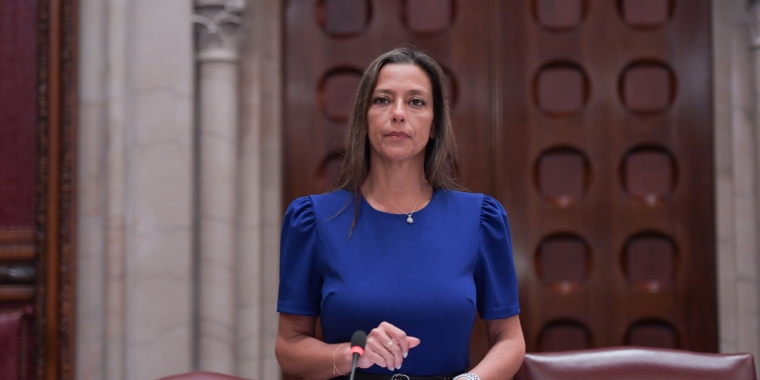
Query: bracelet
(335, 367)
(467, 376)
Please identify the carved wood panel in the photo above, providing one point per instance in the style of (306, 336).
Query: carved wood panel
(343, 38)
(588, 119)
(607, 171)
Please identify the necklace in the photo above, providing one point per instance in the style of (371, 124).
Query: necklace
(408, 214)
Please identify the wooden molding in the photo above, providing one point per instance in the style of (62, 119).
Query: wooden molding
(56, 192)
(16, 293)
(16, 244)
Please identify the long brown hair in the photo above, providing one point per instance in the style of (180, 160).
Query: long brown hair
(440, 151)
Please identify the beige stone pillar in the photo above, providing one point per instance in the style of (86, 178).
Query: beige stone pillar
(134, 296)
(260, 211)
(736, 70)
(218, 24)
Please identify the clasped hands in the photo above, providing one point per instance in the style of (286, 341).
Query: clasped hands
(387, 346)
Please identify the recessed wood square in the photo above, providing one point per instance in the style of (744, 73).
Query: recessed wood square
(649, 174)
(329, 171)
(429, 16)
(561, 89)
(343, 18)
(658, 334)
(563, 262)
(650, 261)
(558, 14)
(564, 336)
(337, 91)
(647, 88)
(646, 13)
(562, 175)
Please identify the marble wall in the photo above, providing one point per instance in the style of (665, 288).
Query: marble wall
(180, 193)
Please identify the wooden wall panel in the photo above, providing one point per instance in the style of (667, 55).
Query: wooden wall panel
(323, 68)
(590, 120)
(647, 213)
(326, 53)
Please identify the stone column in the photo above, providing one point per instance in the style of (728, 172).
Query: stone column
(736, 61)
(749, 186)
(218, 24)
(158, 185)
(134, 280)
(260, 211)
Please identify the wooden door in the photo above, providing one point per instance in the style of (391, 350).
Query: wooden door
(588, 119)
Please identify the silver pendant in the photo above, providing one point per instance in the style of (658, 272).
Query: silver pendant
(409, 220)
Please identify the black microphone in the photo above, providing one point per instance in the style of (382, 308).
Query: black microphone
(358, 341)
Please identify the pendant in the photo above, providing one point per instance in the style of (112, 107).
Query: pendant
(409, 220)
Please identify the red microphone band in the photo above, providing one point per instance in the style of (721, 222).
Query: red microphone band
(357, 350)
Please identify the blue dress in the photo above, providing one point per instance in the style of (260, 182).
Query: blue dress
(427, 278)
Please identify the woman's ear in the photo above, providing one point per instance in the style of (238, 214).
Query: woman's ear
(432, 131)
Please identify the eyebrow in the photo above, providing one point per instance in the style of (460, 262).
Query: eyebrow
(391, 92)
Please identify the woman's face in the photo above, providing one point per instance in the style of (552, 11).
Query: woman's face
(400, 115)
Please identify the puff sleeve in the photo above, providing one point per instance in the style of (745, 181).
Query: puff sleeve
(300, 280)
(495, 277)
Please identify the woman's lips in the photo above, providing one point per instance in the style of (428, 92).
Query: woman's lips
(397, 135)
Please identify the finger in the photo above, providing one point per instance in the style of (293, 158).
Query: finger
(369, 359)
(394, 347)
(376, 342)
(381, 350)
(412, 341)
(400, 346)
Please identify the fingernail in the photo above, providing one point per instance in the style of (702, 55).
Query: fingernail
(406, 353)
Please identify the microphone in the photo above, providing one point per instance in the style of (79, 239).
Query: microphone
(358, 341)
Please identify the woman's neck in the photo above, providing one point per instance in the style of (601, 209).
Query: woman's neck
(402, 185)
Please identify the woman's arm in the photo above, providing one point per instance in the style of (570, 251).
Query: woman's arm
(300, 354)
(507, 349)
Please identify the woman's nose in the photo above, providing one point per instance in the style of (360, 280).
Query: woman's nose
(398, 115)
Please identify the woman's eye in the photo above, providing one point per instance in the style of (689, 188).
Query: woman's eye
(418, 102)
(381, 101)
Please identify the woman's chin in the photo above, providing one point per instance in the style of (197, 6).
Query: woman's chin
(399, 156)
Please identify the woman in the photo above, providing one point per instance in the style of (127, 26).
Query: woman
(413, 262)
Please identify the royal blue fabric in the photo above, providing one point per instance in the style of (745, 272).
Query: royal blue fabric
(428, 278)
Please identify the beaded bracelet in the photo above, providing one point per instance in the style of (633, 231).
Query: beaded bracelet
(467, 376)
(335, 367)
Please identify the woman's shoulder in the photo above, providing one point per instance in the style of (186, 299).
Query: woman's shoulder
(329, 204)
(320, 199)
(487, 204)
(306, 210)
(329, 199)
(462, 197)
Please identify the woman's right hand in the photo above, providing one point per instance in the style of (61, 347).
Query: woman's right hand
(387, 346)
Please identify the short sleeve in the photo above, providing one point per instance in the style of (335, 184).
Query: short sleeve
(495, 275)
(300, 281)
